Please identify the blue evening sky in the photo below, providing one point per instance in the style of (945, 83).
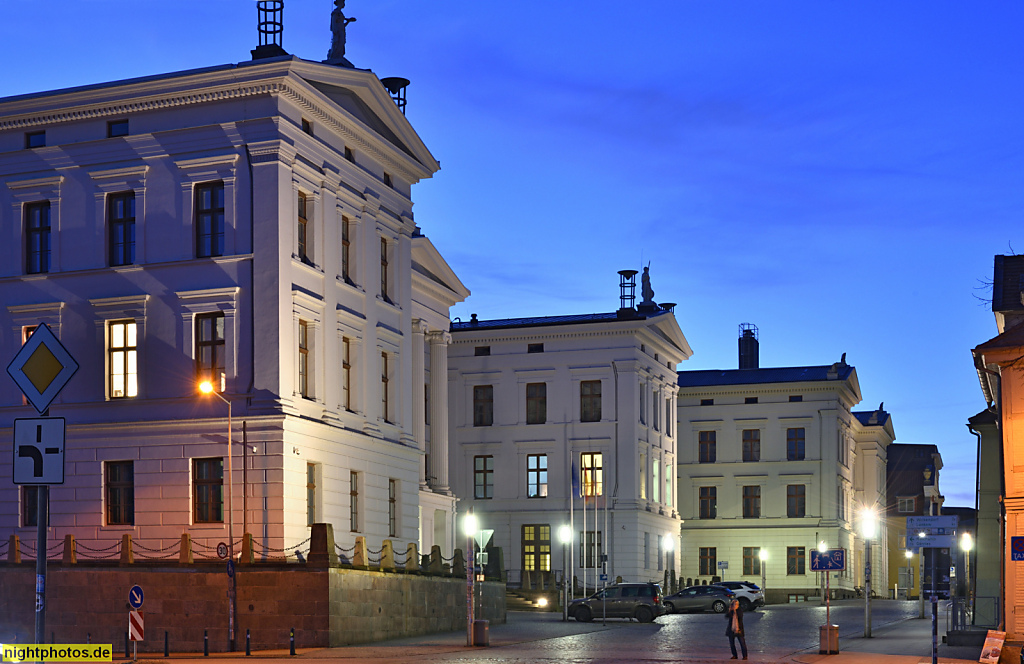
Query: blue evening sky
(839, 174)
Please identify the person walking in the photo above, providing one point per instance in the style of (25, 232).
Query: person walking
(734, 627)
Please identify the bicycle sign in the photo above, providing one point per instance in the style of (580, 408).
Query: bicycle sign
(832, 560)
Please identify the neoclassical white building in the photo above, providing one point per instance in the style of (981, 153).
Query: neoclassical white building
(547, 408)
(251, 224)
(775, 460)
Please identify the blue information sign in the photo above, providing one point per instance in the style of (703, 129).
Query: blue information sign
(1017, 548)
(135, 597)
(833, 560)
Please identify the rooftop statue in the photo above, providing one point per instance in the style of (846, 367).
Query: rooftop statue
(645, 287)
(336, 56)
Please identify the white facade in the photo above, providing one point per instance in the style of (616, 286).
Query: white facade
(775, 460)
(608, 386)
(322, 323)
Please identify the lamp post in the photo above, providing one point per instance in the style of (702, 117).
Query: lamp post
(967, 543)
(920, 574)
(869, 524)
(206, 387)
(762, 554)
(669, 547)
(822, 548)
(565, 536)
(469, 525)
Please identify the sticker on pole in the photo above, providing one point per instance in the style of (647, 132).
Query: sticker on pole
(42, 368)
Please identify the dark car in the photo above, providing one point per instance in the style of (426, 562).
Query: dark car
(699, 598)
(624, 600)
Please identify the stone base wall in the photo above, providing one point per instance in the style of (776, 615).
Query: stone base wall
(326, 606)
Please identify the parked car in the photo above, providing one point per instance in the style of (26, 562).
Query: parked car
(699, 598)
(749, 594)
(624, 600)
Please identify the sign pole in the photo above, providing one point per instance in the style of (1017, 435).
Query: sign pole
(42, 496)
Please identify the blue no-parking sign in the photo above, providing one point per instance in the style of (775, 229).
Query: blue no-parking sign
(1017, 548)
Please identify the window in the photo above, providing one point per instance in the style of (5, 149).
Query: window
(346, 250)
(591, 551)
(708, 557)
(307, 126)
(210, 347)
(708, 502)
(349, 155)
(655, 411)
(647, 550)
(535, 348)
(124, 377)
(483, 405)
(304, 386)
(793, 398)
(668, 417)
(35, 139)
(385, 403)
(117, 128)
(393, 508)
(656, 482)
(590, 401)
(750, 400)
(121, 226)
(537, 548)
(795, 560)
(796, 501)
(384, 270)
(303, 230)
(482, 351)
(706, 446)
(751, 444)
(592, 474)
(751, 502)
(660, 565)
(346, 373)
(795, 444)
(208, 490)
(668, 484)
(310, 494)
(353, 501)
(37, 237)
(388, 182)
(29, 506)
(751, 560)
(707, 402)
(536, 403)
(483, 477)
(907, 505)
(120, 493)
(210, 220)
(643, 476)
(643, 404)
(536, 475)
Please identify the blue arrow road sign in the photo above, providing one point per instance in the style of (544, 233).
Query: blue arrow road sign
(135, 597)
(833, 560)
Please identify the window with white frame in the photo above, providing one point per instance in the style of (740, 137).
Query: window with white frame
(122, 347)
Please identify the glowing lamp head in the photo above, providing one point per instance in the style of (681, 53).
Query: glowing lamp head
(668, 543)
(908, 554)
(469, 524)
(206, 387)
(542, 602)
(869, 523)
(966, 542)
(763, 555)
(565, 534)
(822, 547)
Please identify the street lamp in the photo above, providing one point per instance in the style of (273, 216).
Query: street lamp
(565, 536)
(762, 554)
(822, 548)
(469, 525)
(206, 387)
(869, 526)
(669, 546)
(967, 543)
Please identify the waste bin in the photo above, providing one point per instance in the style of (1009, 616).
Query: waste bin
(481, 633)
(829, 640)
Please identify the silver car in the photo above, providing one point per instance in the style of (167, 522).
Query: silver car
(699, 598)
(625, 600)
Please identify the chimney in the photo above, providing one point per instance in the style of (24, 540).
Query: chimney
(748, 346)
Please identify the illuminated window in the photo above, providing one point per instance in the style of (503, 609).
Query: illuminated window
(536, 475)
(592, 474)
(537, 547)
(124, 377)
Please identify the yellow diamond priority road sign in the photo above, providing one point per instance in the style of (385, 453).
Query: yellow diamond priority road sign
(42, 368)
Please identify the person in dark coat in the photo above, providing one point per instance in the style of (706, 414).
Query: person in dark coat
(734, 628)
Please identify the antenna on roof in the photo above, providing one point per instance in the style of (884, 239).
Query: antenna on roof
(271, 27)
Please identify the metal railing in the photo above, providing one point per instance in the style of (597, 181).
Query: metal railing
(979, 614)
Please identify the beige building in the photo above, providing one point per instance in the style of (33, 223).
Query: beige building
(775, 462)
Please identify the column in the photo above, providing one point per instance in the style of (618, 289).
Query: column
(419, 429)
(438, 448)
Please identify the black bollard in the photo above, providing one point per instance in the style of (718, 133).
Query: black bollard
(247, 650)
(206, 644)
(167, 651)
(292, 639)
(127, 654)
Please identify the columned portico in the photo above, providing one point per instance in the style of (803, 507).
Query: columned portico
(438, 448)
